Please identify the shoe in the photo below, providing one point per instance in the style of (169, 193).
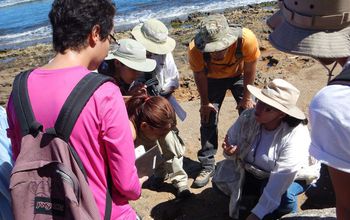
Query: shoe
(183, 192)
(203, 178)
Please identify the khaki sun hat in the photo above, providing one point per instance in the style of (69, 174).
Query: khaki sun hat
(153, 34)
(281, 95)
(215, 34)
(132, 54)
(316, 28)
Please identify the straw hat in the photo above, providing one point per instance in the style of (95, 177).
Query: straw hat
(153, 34)
(132, 54)
(317, 28)
(281, 95)
(215, 34)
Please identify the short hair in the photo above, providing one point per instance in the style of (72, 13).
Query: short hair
(73, 20)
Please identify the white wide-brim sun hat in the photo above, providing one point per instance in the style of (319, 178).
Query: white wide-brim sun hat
(153, 35)
(316, 28)
(281, 95)
(133, 55)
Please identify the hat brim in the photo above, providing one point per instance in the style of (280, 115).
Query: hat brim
(147, 65)
(293, 111)
(151, 46)
(318, 44)
(230, 38)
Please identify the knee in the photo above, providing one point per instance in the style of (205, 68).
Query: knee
(289, 203)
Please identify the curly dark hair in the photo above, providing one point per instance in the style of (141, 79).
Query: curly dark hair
(73, 20)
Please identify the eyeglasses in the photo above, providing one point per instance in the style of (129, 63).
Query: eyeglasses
(265, 107)
(112, 39)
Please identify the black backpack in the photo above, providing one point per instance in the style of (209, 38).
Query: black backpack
(48, 180)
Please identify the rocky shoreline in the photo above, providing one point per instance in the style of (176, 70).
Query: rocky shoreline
(251, 16)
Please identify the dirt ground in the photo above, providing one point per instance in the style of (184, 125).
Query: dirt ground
(303, 72)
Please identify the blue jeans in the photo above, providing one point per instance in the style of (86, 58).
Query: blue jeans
(289, 200)
(209, 131)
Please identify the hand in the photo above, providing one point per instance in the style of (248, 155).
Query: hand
(143, 179)
(205, 111)
(138, 89)
(246, 104)
(166, 93)
(230, 150)
(252, 216)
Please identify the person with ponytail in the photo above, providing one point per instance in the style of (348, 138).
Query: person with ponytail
(154, 122)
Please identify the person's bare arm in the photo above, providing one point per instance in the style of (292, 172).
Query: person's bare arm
(248, 79)
(341, 182)
(202, 87)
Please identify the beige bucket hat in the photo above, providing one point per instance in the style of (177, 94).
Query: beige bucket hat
(215, 34)
(132, 54)
(153, 34)
(316, 28)
(281, 95)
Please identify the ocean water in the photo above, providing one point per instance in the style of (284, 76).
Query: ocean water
(25, 22)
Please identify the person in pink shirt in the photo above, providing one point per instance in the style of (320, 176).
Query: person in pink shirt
(102, 135)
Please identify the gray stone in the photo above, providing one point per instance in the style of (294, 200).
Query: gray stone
(312, 214)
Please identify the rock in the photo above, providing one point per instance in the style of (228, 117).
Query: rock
(312, 214)
(176, 23)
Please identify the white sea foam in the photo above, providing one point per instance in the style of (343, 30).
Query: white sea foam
(122, 21)
(7, 3)
(16, 40)
(127, 21)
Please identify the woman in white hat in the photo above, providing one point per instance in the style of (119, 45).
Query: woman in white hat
(321, 29)
(125, 65)
(269, 147)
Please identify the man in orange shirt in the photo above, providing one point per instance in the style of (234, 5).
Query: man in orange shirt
(221, 58)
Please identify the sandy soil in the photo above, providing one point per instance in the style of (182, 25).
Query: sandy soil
(305, 73)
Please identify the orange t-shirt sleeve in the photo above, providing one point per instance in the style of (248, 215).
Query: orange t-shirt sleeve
(195, 58)
(250, 47)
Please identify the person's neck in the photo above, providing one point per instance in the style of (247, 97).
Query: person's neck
(272, 125)
(67, 59)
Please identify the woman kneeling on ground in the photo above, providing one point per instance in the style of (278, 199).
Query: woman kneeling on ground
(154, 121)
(266, 153)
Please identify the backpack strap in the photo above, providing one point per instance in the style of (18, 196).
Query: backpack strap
(239, 53)
(23, 108)
(108, 207)
(342, 79)
(76, 101)
(69, 114)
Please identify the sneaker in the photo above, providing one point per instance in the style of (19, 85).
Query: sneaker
(183, 192)
(203, 178)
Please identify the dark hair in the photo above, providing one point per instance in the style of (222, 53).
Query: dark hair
(293, 122)
(107, 67)
(154, 110)
(73, 20)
